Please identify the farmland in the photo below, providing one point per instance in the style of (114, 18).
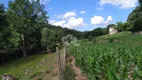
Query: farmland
(116, 59)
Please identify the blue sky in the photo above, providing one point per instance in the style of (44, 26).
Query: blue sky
(85, 15)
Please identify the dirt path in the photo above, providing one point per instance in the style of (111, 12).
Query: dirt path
(53, 73)
(77, 71)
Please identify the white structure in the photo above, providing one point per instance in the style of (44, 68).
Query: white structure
(112, 30)
(140, 32)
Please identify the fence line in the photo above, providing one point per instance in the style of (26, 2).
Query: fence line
(62, 61)
(61, 76)
(64, 57)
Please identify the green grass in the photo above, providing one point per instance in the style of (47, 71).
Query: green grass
(119, 60)
(30, 67)
(113, 38)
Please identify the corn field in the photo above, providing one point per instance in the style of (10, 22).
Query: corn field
(110, 61)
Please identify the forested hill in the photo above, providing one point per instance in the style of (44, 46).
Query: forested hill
(25, 30)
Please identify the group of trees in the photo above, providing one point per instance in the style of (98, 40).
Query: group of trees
(24, 30)
(123, 26)
(90, 35)
(135, 18)
(20, 27)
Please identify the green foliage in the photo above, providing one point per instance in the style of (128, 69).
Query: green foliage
(115, 37)
(26, 20)
(135, 18)
(123, 26)
(9, 39)
(94, 33)
(51, 38)
(110, 61)
(48, 39)
(111, 25)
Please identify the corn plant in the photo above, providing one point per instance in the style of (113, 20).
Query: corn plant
(110, 61)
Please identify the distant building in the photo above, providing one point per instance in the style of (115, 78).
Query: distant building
(139, 32)
(112, 29)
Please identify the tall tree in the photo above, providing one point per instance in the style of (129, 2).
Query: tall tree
(123, 26)
(23, 15)
(2, 27)
(135, 18)
(140, 3)
(9, 40)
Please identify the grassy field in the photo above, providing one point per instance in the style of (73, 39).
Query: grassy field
(118, 58)
(35, 67)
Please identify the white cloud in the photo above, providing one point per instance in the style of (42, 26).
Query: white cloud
(109, 20)
(99, 8)
(74, 22)
(59, 23)
(52, 21)
(97, 20)
(68, 20)
(123, 4)
(82, 12)
(67, 15)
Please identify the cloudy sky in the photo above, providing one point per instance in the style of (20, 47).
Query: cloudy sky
(85, 15)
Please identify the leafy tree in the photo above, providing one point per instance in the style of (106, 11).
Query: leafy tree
(119, 26)
(23, 15)
(49, 39)
(123, 26)
(126, 26)
(135, 18)
(9, 39)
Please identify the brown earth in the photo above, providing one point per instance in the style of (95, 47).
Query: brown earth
(77, 71)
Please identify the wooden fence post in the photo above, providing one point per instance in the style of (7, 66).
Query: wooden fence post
(64, 56)
(61, 77)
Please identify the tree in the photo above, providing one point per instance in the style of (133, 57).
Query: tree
(49, 39)
(23, 15)
(140, 3)
(119, 26)
(126, 26)
(135, 18)
(123, 26)
(9, 39)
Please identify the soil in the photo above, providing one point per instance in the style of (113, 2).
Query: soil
(77, 71)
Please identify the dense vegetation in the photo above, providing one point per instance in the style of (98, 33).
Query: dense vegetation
(135, 18)
(119, 60)
(25, 30)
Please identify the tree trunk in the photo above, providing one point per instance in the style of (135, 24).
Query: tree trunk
(24, 46)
